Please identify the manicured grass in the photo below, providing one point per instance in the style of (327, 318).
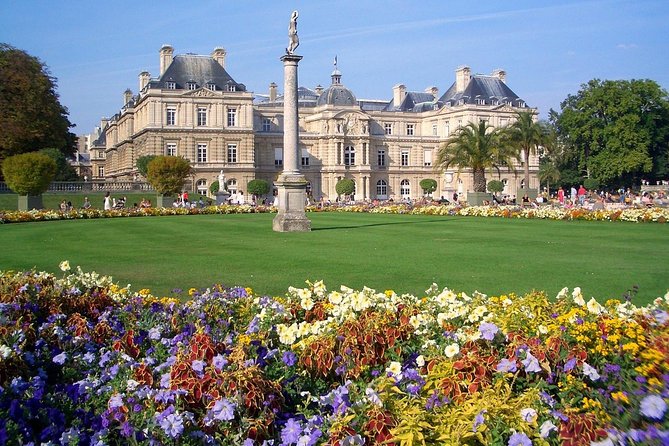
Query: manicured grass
(52, 200)
(403, 252)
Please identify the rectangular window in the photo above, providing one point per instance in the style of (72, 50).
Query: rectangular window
(101, 171)
(447, 130)
(381, 157)
(232, 117)
(305, 157)
(171, 116)
(388, 128)
(404, 158)
(170, 85)
(349, 156)
(192, 86)
(171, 149)
(434, 129)
(278, 156)
(266, 125)
(232, 153)
(201, 153)
(427, 158)
(410, 129)
(201, 116)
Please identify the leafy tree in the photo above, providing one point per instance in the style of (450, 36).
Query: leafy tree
(142, 164)
(616, 132)
(474, 147)
(214, 187)
(345, 186)
(526, 135)
(32, 117)
(591, 183)
(428, 185)
(258, 187)
(29, 173)
(548, 173)
(64, 170)
(167, 174)
(495, 186)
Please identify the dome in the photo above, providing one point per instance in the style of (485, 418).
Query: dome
(336, 94)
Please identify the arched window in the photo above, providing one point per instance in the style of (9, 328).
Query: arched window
(382, 189)
(201, 187)
(505, 182)
(405, 189)
(232, 185)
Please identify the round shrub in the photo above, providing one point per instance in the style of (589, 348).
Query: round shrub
(258, 187)
(345, 186)
(495, 186)
(29, 173)
(167, 174)
(428, 185)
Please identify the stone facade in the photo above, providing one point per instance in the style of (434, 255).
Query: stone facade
(196, 110)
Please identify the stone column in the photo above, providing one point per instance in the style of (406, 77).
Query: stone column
(291, 184)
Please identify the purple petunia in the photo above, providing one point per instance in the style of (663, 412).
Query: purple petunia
(60, 358)
(519, 439)
(506, 366)
(219, 362)
(653, 407)
(479, 419)
(488, 330)
(291, 432)
(171, 422)
(289, 358)
(531, 363)
(570, 364)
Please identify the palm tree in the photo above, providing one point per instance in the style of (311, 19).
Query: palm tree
(548, 173)
(526, 135)
(474, 147)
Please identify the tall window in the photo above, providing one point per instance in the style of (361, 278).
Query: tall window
(211, 86)
(434, 129)
(232, 186)
(427, 157)
(305, 157)
(381, 157)
(447, 130)
(388, 128)
(266, 125)
(171, 116)
(201, 187)
(232, 153)
(410, 129)
(404, 158)
(349, 156)
(171, 149)
(170, 85)
(278, 156)
(201, 153)
(381, 189)
(405, 188)
(201, 116)
(191, 85)
(101, 171)
(232, 117)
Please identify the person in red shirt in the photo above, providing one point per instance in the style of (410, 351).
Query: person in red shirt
(581, 195)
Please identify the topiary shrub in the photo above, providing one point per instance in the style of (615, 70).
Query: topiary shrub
(29, 173)
(428, 185)
(167, 174)
(345, 186)
(495, 186)
(258, 187)
(214, 187)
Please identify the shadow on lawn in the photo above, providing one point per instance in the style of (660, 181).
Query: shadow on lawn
(378, 224)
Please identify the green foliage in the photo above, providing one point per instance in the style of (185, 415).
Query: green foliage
(64, 171)
(591, 183)
(495, 186)
(214, 187)
(428, 185)
(142, 164)
(474, 147)
(167, 174)
(616, 131)
(526, 135)
(345, 186)
(29, 173)
(32, 117)
(258, 187)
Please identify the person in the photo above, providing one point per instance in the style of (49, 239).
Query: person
(108, 201)
(455, 197)
(573, 195)
(582, 192)
(63, 206)
(87, 204)
(526, 200)
(240, 197)
(560, 196)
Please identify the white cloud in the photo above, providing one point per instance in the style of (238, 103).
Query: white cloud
(626, 46)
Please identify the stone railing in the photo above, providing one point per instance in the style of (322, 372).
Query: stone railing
(90, 186)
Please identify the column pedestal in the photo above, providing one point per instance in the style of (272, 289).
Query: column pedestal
(291, 195)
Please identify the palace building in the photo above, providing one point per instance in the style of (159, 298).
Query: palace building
(195, 109)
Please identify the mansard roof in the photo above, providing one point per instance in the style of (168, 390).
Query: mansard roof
(489, 89)
(202, 70)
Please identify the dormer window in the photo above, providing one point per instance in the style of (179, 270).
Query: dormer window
(521, 103)
(461, 102)
(480, 101)
(211, 86)
(232, 87)
(191, 85)
(169, 85)
(494, 102)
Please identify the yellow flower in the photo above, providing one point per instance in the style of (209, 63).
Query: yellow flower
(620, 397)
(192, 291)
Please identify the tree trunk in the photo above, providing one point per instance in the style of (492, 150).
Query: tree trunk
(479, 180)
(527, 169)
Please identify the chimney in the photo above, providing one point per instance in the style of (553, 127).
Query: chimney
(272, 92)
(319, 89)
(103, 123)
(127, 96)
(434, 91)
(499, 74)
(144, 78)
(462, 75)
(219, 55)
(399, 91)
(166, 54)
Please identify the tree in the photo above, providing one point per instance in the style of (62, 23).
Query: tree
(428, 185)
(474, 147)
(64, 170)
(548, 173)
(29, 173)
(142, 164)
(32, 117)
(495, 186)
(526, 135)
(258, 187)
(167, 174)
(617, 132)
(214, 187)
(345, 186)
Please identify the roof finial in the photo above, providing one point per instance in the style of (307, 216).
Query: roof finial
(335, 63)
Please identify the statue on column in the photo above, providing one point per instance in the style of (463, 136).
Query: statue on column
(221, 181)
(293, 40)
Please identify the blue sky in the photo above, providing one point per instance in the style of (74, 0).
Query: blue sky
(548, 48)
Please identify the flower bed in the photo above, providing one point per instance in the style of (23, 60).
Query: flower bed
(84, 361)
(656, 214)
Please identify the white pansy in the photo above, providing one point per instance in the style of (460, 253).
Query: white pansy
(420, 360)
(451, 350)
(307, 303)
(64, 265)
(542, 329)
(319, 288)
(528, 415)
(5, 351)
(578, 297)
(335, 298)
(506, 302)
(394, 368)
(131, 385)
(594, 307)
(564, 292)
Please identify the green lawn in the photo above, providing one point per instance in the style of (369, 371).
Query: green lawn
(403, 252)
(52, 200)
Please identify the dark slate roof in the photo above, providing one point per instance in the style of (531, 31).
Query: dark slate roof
(305, 98)
(202, 70)
(487, 88)
(101, 141)
(374, 105)
(337, 93)
(412, 98)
